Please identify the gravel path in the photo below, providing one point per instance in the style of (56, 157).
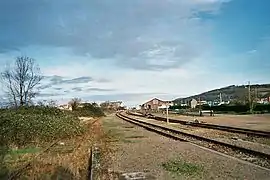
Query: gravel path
(139, 150)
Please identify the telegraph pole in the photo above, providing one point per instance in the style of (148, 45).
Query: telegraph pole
(200, 107)
(220, 97)
(249, 97)
(167, 112)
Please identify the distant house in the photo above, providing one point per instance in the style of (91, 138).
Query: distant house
(264, 100)
(223, 103)
(156, 104)
(193, 103)
(202, 102)
(65, 107)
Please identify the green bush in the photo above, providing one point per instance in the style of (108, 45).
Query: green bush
(239, 109)
(89, 110)
(262, 107)
(178, 107)
(227, 108)
(30, 125)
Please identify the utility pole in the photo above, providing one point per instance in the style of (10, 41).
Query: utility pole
(249, 97)
(220, 97)
(256, 93)
(200, 108)
(167, 112)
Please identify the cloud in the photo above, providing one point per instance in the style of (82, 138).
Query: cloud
(60, 80)
(252, 51)
(92, 89)
(45, 86)
(153, 35)
(78, 80)
(58, 88)
(99, 89)
(56, 79)
(77, 89)
(49, 94)
(103, 80)
(52, 86)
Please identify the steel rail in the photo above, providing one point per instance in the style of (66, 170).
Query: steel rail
(250, 132)
(152, 127)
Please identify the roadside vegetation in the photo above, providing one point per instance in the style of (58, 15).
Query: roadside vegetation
(223, 109)
(42, 141)
(36, 125)
(85, 109)
(26, 131)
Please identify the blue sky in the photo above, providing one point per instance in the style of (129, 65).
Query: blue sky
(133, 50)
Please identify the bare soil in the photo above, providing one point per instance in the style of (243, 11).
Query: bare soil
(138, 150)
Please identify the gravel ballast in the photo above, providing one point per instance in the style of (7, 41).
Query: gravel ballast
(138, 150)
(254, 121)
(241, 140)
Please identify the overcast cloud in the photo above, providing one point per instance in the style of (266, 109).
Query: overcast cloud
(137, 49)
(153, 34)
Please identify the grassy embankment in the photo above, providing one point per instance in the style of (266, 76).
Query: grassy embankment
(45, 142)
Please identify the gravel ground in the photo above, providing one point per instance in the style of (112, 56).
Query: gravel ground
(138, 150)
(258, 144)
(258, 122)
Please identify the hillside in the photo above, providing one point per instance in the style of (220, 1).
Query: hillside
(231, 93)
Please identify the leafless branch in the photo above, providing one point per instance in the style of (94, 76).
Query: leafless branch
(20, 81)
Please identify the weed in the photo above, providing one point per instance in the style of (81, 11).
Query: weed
(24, 151)
(129, 127)
(180, 167)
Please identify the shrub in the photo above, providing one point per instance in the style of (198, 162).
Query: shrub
(227, 108)
(240, 109)
(262, 107)
(89, 110)
(178, 107)
(30, 125)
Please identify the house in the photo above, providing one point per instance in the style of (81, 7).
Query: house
(264, 100)
(156, 104)
(65, 107)
(193, 103)
(202, 102)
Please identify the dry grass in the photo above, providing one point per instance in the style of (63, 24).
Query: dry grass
(67, 159)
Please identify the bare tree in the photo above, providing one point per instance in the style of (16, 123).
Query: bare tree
(48, 103)
(20, 81)
(74, 103)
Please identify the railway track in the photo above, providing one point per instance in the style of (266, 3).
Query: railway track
(240, 139)
(255, 157)
(246, 131)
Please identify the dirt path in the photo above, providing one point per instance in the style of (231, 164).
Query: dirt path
(138, 150)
